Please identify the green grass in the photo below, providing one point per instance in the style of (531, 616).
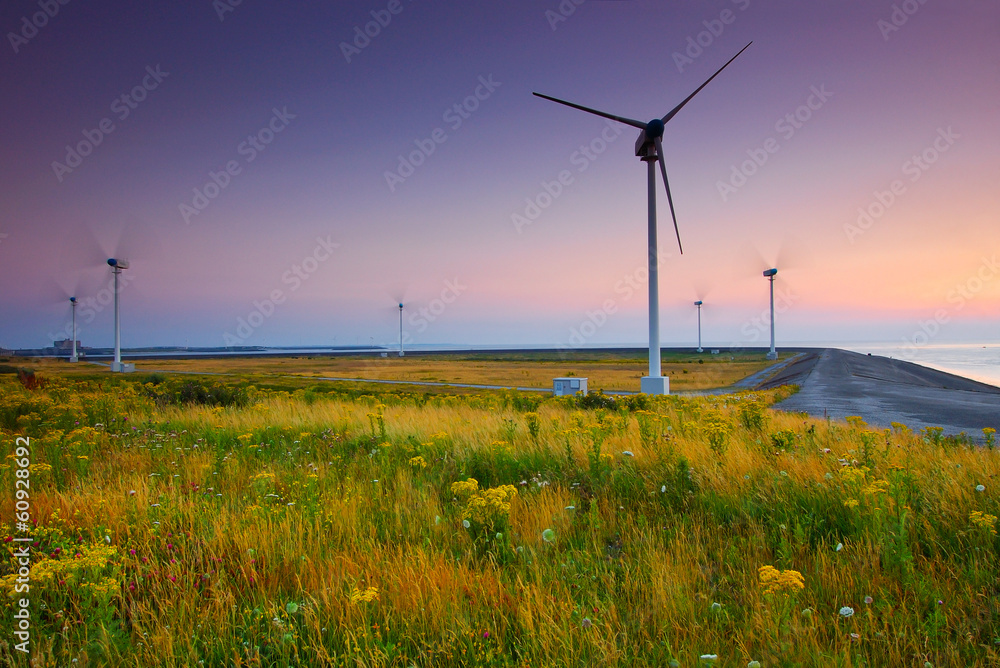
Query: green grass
(186, 519)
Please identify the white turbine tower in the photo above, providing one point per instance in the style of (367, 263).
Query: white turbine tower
(769, 275)
(400, 329)
(74, 357)
(117, 266)
(649, 149)
(698, 304)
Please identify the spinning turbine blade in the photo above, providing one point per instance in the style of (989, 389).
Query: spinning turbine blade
(674, 111)
(666, 183)
(620, 119)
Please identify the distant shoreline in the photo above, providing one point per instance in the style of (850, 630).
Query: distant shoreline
(101, 354)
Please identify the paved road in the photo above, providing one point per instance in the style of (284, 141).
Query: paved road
(838, 383)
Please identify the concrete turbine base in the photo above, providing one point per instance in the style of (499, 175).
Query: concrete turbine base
(655, 385)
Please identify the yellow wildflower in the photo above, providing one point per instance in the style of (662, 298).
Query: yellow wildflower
(367, 596)
(466, 488)
(983, 520)
(877, 487)
(774, 581)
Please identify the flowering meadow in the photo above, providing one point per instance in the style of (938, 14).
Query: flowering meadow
(186, 521)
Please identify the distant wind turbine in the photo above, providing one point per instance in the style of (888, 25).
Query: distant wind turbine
(649, 149)
(400, 329)
(117, 266)
(74, 357)
(769, 275)
(699, 305)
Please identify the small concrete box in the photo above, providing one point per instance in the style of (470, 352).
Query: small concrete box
(657, 385)
(562, 387)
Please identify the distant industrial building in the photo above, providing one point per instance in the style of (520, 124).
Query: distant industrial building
(63, 348)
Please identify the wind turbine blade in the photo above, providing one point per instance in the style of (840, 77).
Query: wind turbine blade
(620, 119)
(785, 255)
(666, 183)
(674, 111)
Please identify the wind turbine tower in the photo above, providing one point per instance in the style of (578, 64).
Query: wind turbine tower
(117, 266)
(400, 329)
(769, 275)
(649, 149)
(74, 357)
(698, 304)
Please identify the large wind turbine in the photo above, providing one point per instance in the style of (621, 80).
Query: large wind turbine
(649, 149)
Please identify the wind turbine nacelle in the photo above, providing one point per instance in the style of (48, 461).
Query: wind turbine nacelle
(644, 145)
(770, 272)
(118, 264)
(698, 303)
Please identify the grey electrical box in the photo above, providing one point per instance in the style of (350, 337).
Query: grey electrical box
(562, 387)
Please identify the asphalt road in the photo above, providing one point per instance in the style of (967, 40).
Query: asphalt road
(837, 383)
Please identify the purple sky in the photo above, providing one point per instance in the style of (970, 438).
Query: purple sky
(904, 97)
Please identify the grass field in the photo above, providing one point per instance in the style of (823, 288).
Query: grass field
(188, 521)
(608, 371)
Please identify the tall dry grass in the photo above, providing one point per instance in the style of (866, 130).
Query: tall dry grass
(294, 529)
